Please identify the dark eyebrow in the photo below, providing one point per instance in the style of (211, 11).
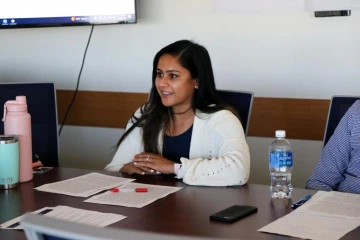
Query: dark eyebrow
(170, 71)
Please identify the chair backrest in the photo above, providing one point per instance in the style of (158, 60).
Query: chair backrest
(41, 100)
(241, 102)
(38, 227)
(338, 107)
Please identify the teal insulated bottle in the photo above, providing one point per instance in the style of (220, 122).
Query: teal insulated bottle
(9, 161)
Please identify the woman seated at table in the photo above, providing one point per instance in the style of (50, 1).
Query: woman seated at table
(183, 129)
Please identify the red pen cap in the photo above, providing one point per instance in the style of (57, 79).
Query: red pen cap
(114, 190)
(141, 189)
(129, 190)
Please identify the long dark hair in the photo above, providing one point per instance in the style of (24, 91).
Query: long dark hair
(154, 115)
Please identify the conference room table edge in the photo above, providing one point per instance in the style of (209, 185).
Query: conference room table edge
(184, 213)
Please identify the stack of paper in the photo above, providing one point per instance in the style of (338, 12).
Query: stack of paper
(326, 216)
(133, 199)
(92, 218)
(84, 186)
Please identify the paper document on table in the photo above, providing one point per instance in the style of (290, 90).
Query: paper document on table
(326, 216)
(133, 199)
(84, 186)
(311, 227)
(333, 204)
(92, 218)
(14, 224)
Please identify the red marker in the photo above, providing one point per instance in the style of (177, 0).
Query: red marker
(129, 190)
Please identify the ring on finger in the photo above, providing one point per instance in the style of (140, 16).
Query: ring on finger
(148, 157)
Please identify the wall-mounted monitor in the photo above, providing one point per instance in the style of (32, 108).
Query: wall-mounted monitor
(45, 13)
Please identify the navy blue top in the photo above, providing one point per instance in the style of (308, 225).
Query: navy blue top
(179, 146)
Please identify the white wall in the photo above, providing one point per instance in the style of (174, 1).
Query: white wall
(274, 55)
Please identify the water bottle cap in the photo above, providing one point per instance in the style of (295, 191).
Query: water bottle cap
(21, 99)
(280, 133)
(16, 107)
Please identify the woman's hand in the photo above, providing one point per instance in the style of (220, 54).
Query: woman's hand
(154, 161)
(131, 168)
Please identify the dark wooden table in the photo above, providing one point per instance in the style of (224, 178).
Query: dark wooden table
(185, 212)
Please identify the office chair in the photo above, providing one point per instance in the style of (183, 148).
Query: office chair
(38, 227)
(241, 102)
(41, 101)
(338, 107)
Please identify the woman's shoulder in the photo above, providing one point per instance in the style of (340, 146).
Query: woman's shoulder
(136, 115)
(217, 116)
(139, 111)
(224, 122)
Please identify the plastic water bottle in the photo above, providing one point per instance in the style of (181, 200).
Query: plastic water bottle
(17, 121)
(280, 166)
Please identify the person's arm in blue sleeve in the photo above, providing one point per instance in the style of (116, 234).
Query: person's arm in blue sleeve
(329, 172)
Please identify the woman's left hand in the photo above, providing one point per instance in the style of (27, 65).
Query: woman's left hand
(154, 161)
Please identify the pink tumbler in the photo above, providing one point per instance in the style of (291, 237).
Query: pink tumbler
(17, 121)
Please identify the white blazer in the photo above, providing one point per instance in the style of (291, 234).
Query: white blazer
(219, 154)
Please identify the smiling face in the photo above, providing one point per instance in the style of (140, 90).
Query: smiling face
(174, 84)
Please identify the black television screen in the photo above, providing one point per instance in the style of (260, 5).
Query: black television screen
(45, 13)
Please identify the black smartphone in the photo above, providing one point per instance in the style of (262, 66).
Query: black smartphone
(233, 213)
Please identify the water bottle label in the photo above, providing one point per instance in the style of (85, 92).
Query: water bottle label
(280, 159)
